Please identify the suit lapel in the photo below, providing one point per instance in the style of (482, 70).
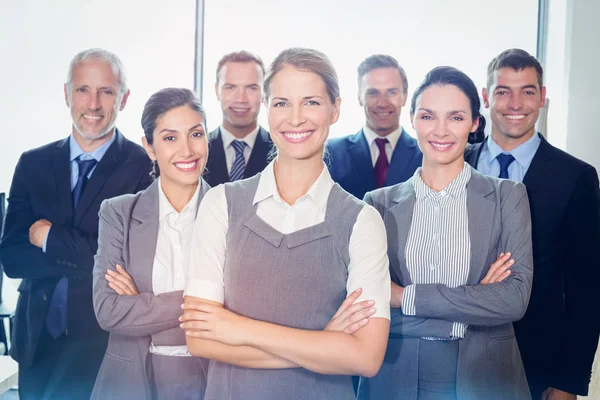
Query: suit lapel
(143, 236)
(216, 164)
(537, 169)
(363, 165)
(473, 151)
(401, 159)
(260, 151)
(480, 210)
(62, 177)
(398, 219)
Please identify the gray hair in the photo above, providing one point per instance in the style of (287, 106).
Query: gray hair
(102, 55)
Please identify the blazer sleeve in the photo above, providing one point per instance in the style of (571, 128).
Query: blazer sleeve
(19, 257)
(572, 367)
(402, 325)
(491, 304)
(141, 315)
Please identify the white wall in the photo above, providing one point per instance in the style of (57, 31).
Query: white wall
(154, 38)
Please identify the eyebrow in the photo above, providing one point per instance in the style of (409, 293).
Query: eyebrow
(452, 112)
(304, 98)
(521, 88)
(168, 130)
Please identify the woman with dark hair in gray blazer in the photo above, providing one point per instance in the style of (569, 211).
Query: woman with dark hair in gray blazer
(451, 334)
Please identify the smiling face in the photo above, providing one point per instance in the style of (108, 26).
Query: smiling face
(94, 98)
(239, 91)
(179, 147)
(382, 97)
(514, 99)
(443, 122)
(300, 113)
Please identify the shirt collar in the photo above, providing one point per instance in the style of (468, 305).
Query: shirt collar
(456, 188)
(165, 208)
(523, 154)
(227, 137)
(392, 137)
(75, 150)
(318, 192)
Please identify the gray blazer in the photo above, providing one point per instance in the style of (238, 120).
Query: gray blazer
(489, 363)
(127, 236)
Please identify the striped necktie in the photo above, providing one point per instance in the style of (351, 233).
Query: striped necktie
(238, 168)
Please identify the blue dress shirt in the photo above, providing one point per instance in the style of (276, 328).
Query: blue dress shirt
(523, 154)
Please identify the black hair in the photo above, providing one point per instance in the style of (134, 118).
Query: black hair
(517, 60)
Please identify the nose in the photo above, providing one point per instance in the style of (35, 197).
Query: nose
(94, 101)
(296, 117)
(515, 101)
(441, 128)
(241, 96)
(185, 149)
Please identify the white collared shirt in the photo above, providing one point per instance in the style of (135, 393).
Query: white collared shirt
(392, 138)
(227, 137)
(172, 247)
(368, 266)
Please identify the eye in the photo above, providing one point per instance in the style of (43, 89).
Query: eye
(254, 88)
(198, 134)
(457, 118)
(392, 92)
(426, 117)
(372, 93)
(279, 104)
(529, 92)
(501, 92)
(81, 90)
(108, 92)
(313, 103)
(169, 138)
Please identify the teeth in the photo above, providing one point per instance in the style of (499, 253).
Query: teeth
(515, 117)
(185, 165)
(96, 117)
(239, 109)
(441, 146)
(297, 136)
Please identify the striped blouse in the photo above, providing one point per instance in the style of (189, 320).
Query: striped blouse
(438, 249)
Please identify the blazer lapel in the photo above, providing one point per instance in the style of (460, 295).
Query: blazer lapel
(401, 159)
(480, 210)
(258, 158)
(216, 166)
(537, 168)
(398, 219)
(142, 237)
(363, 165)
(62, 177)
(104, 170)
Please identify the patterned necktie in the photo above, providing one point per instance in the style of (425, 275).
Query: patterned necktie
(504, 160)
(382, 163)
(56, 318)
(239, 164)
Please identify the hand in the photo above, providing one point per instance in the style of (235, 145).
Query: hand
(38, 232)
(204, 320)
(499, 270)
(557, 394)
(397, 294)
(121, 282)
(351, 317)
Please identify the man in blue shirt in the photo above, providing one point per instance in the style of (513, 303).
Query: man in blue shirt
(558, 335)
(51, 231)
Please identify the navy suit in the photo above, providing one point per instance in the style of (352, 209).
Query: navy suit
(350, 164)
(216, 166)
(41, 189)
(559, 334)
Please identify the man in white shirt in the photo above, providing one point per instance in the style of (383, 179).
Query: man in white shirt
(239, 147)
(382, 153)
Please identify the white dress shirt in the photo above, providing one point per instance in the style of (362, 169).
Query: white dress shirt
(392, 138)
(438, 248)
(368, 268)
(172, 247)
(227, 137)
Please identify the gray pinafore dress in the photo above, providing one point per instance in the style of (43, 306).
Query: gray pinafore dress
(296, 280)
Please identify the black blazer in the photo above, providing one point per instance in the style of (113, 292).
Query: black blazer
(349, 161)
(216, 166)
(41, 188)
(559, 334)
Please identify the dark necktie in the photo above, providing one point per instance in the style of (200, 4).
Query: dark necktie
(504, 160)
(56, 318)
(239, 164)
(382, 163)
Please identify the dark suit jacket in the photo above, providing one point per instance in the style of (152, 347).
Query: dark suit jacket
(216, 166)
(350, 165)
(559, 334)
(41, 188)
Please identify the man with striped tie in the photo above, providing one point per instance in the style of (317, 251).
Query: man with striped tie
(558, 335)
(239, 148)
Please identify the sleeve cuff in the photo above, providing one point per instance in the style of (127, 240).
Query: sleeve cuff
(205, 290)
(46, 240)
(408, 300)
